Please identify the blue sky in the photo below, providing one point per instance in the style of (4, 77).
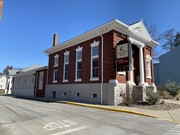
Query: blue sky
(27, 26)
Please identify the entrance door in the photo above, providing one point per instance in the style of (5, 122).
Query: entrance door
(136, 64)
(40, 86)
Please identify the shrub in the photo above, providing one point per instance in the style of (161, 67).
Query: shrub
(172, 88)
(161, 90)
(152, 97)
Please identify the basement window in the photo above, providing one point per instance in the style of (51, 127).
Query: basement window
(94, 95)
(54, 94)
(64, 94)
(77, 94)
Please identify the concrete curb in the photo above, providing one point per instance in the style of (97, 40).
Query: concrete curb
(119, 110)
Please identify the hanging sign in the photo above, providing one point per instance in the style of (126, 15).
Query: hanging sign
(122, 57)
(122, 51)
(122, 54)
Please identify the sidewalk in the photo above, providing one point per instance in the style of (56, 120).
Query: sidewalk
(171, 115)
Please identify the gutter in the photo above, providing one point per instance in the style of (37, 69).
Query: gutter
(102, 65)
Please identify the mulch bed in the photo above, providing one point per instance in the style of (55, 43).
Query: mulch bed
(157, 107)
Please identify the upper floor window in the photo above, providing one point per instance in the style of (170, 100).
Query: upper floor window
(148, 66)
(78, 64)
(66, 66)
(56, 60)
(95, 61)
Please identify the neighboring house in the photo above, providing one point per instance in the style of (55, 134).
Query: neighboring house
(97, 65)
(1, 7)
(6, 81)
(3, 82)
(30, 82)
(168, 67)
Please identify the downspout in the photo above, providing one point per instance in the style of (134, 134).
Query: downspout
(102, 66)
(45, 94)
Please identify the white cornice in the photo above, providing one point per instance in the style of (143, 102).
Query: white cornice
(112, 25)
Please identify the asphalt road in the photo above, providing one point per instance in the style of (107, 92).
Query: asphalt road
(28, 117)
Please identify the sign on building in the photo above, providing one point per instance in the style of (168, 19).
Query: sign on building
(122, 57)
(122, 51)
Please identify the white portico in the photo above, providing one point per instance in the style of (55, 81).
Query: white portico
(140, 45)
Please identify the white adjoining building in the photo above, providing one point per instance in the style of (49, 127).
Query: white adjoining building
(6, 81)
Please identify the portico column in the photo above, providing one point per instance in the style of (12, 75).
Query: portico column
(141, 65)
(130, 62)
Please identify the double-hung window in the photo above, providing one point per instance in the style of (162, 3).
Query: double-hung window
(55, 76)
(148, 66)
(66, 67)
(95, 61)
(78, 64)
(56, 60)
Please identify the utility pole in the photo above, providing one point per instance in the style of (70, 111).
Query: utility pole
(1, 7)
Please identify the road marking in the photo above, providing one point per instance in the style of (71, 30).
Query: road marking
(172, 134)
(174, 131)
(70, 130)
(8, 125)
(58, 124)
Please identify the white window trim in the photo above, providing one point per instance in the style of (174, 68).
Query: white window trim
(123, 73)
(94, 44)
(54, 81)
(56, 57)
(148, 59)
(78, 80)
(80, 60)
(67, 63)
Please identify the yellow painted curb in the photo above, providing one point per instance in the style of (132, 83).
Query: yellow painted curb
(118, 110)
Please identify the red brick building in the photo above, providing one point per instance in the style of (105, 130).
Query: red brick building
(104, 65)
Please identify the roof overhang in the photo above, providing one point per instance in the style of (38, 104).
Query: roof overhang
(112, 25)
(30, 72)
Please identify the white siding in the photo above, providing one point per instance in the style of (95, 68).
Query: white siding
(24, 85)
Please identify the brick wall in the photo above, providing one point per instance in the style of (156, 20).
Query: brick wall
(110, 39)
(118, 37)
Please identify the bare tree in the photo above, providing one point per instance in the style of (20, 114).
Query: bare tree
(168, 39)
(176, 40)
(154, 32)
(5, 71)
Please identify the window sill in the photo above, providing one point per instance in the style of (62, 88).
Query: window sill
(78, 80)
(65, 81)
(122, 73)
(55, 65)
(149, 77)
(94, 79)
(55, 81)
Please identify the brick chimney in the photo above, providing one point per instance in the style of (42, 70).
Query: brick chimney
(55, 40)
